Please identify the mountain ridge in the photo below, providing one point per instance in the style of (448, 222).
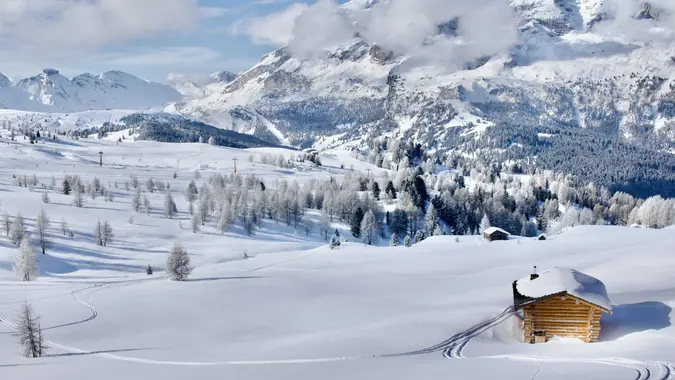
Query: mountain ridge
(50, 91)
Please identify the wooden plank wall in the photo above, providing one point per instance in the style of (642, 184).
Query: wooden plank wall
(564, 317)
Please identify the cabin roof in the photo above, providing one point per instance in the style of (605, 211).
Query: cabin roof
(492, 230)
(558, 281)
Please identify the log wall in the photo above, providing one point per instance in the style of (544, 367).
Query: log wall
(563, 316)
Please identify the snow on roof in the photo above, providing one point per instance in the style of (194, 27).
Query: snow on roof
(492, 230)
(558, 280)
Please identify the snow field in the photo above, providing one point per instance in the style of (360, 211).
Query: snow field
(296, 309)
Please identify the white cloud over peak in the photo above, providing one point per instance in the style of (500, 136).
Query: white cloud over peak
(275, 29)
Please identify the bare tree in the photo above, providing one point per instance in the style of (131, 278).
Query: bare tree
(178, 263)
(30, 333)
(98, 233)
(64, 227)
(136, 200)
(150, 185)
(42, 224)
(196, 223)
(18, 229)
(25, 263)
(6, 223)
(106, 233)
(78, 199)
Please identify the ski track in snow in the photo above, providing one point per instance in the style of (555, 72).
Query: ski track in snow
(451, 348)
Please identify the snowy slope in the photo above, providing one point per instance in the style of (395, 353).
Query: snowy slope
(52, 92)
(296, 309)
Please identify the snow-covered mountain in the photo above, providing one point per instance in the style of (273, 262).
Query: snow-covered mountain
(571, 67)
(196, 85)
(52, 92)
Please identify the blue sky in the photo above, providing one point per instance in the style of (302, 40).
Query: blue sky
(147, 38)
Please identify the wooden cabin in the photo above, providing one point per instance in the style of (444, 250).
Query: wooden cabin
(560, 302)
(495, 234)
(541, 237)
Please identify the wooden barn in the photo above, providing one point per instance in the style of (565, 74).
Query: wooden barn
(560, 302)
(495, 234)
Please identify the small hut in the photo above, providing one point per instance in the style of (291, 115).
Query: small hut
(560, 302)
(541, 237)
(495, 234)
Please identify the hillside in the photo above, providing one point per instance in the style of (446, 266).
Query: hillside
(279, 303)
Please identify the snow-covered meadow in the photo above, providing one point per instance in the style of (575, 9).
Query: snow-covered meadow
(291, 308)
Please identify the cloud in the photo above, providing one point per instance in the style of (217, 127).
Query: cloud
(408, 27)
(275, 29)
(212, 12)
(622, 21)
(75, 23)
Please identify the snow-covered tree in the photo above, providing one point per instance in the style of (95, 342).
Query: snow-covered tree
(196, 223)
(78, 198)
(212, 141)
(25, 263)
(394, 240)
(42, 223)
(170, 209)
(30, 333)
(419, 236)
(106, 233)
(407, 241)
(108, 195)
(431, 219)
(325, 226)
(484, 223)
(18, 230)
(98, 233)
(178, 264)
(150, 185)
(136, 201)
(146, 204)
(45, 197)
(370, 229)
(64, 227)
(308, 223)
(191, 192)
(6, 223)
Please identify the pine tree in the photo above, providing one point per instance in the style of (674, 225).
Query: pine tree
(42, 223)
(45, 197)
(18, 229)
(407, 241)
(191, 192)
(148, 270)
(170, 209)
(66, 187)
(394, 240)
(356, 219)
(25, 263)
(178, 263)
(376, 190)
(30, 333)
(370, 230)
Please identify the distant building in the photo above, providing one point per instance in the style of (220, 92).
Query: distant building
(541, 237)
(494, 234)
(560, 302)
